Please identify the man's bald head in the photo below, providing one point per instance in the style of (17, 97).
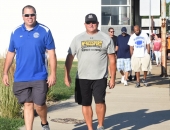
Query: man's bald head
(137, 30)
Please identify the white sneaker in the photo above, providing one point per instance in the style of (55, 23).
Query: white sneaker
(122, 80)
(100, 128)
(125, 83)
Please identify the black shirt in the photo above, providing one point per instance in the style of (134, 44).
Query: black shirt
(114, 38)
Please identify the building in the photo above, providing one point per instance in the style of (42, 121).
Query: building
(118, 13)
(65, 18)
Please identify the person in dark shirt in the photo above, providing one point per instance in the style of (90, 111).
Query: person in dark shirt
(111, 34)
(123, 55)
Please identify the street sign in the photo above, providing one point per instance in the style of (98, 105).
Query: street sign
(146, 7)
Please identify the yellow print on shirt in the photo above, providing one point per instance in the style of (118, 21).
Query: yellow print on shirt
(92, 43)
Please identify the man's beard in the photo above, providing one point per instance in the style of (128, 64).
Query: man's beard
(138, 33)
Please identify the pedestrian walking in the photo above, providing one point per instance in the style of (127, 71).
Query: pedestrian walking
(114, 38)
(152, 48)
(93, 49)
(123, 55)
(140, 50)
(157, 48)
(168, 47)
(29, 42)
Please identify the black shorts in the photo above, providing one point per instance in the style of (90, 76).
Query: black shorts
(85, 89)
(34, 91)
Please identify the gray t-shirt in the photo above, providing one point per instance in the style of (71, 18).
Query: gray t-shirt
(92, 54)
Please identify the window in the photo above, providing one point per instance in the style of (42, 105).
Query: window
(115, 12)
(114, 2)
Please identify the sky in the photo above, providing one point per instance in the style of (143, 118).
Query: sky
(167, 1)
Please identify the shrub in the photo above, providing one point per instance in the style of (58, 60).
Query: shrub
(9, 106)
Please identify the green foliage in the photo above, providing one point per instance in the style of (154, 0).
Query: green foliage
(9, 106)
(60, 91)
(10, 124)
(167, 9)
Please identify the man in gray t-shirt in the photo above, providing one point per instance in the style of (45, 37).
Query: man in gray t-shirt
(93, 48)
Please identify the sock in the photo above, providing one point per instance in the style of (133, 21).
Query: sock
(44, 124)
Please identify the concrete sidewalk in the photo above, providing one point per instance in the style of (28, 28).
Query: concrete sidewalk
(128, 108)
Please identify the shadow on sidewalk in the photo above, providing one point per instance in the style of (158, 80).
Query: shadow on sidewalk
(135, 120)
(152, 79)
(157, 80)
(60, 105)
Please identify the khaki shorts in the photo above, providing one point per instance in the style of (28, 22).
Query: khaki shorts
(140, 63)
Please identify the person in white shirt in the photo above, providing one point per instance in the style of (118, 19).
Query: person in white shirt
(139, 44)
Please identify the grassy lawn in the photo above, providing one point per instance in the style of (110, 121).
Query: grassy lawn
(58, 92)
(10, 124)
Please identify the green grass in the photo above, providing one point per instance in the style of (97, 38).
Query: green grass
(60, 91)
(10, 124)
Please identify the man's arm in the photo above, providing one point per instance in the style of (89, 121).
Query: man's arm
(116, 49)
(148, 48)
(112, 62)
(68, 64)
(131, 50)
(53, 67)
(8, 62)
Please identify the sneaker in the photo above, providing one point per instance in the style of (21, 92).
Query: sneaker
(130, 77)
(149, 72)
(144, 82)
(125, 83)
(100, 128)
(137, 85)
(122, 80)
(45, 127)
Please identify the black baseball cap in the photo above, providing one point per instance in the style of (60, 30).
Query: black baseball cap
(124, 30)
(91, 18)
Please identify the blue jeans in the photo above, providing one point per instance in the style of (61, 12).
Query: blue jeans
(152, 55)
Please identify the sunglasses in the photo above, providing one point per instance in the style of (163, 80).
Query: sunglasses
(112, 31)
(27, 15)
(93, 22)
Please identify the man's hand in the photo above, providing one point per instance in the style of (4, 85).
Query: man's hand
(8, 63)
(111, 83)
(51, 80)
(67, 81)
(5, 80)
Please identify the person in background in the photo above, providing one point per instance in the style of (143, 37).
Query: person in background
(151, 48)
(123, 55)
(168, 47)
(114, 38)
(140, 51)
(157, 48)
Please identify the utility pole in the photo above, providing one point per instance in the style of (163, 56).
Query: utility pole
(163, 38)
(152, 24)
